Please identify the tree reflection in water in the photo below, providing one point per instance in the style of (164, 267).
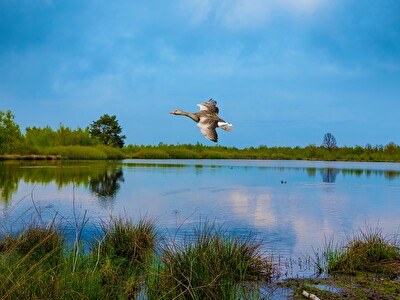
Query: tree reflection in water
(102, 178)
(106, 185)
(329, 175)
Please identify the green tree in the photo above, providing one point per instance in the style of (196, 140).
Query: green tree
(10, 134)
(107, 131)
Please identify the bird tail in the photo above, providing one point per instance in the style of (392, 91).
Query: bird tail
(225, 126)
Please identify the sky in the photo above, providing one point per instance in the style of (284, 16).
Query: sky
(284, 72)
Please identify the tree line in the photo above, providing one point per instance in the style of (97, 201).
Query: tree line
(106, 130)
(103, 139)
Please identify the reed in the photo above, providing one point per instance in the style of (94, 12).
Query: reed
(132, 242)
(83, 152)
(367, 251)
(213, 265)
(30, 261)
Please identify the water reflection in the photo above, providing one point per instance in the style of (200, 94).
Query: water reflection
(329, 175)
(106, 185)
(102, 178)
(244, 196)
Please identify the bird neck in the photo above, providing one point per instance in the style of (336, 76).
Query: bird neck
(193, 116)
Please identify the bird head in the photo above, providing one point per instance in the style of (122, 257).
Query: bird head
(175, 112)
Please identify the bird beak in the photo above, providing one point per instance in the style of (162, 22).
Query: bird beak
(171, 113)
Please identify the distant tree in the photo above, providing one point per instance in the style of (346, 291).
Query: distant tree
(107, 131)
(329, 141)
(10, 134)
(40, 136)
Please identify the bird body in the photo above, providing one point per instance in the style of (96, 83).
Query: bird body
(207, 119)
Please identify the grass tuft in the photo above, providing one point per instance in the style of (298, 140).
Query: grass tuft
(214, 265)
(124, 239)
(368, 251)
(38, 242)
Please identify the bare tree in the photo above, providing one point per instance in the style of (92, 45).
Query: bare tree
(329, 141)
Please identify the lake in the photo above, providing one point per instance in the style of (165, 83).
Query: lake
(292, 206)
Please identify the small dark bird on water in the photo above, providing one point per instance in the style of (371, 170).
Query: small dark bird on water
(207, 119)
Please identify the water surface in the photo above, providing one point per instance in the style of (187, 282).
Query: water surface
(291, 205)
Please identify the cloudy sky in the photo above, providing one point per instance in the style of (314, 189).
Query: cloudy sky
(284, 72)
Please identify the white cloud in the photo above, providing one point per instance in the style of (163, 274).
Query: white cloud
(245, 13)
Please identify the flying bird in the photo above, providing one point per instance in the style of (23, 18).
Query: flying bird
(207, 119)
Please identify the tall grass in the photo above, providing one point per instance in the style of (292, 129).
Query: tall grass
(367, 251)
(123, 263)
(83, 152)
(30, 261)
(390, 152)
(38, 264)
(212, 266)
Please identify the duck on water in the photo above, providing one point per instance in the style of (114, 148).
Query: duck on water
(207, 119)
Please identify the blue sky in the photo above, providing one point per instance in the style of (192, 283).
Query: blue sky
(284, 72)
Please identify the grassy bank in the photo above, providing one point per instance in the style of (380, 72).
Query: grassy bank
(98, 152)
(367, 266)
(388, 153)
(129, 259)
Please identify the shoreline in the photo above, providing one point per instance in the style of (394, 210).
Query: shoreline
(39, 157)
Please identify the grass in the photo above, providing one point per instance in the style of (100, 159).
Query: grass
(212, 265)
(77, 152)
(341, 286)
(29, 262)
(368, 251)
(126, 260)
(388, 153)
(367, 266)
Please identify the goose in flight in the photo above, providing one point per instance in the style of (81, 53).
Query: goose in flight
(207, 119)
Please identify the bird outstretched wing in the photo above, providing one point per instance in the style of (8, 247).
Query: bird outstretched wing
(207, 128)
(210, 106)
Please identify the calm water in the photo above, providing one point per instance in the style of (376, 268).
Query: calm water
(318, 200)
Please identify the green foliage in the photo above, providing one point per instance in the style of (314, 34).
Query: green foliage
(107, 130)
(83, 152)
(122, 265)
(36, 243)
(111, 152)
(75, 152)
(128, 241)
(100, 177)
(368, 251)
(389, 153)
(63, 136)
(212, 266)
(10, 134)
(102, 137)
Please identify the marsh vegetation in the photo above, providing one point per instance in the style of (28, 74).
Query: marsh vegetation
(130, 259)
(127, 259)
(103, 139)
